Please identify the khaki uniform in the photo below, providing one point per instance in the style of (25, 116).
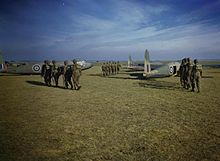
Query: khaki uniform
(77, 71)
(55, 73)
(118, 66)
(67, 76)
(104, 73)
(188, 74)
(196, 77)
(47, 74)
(181, 70)
(108, 69)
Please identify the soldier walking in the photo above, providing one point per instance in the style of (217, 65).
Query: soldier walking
(181, 73)
(76, 75)
(67, 75)
(43, 68)
(46, 72)
(108, 69)
(196, 76)
(185, 69)
(55, 72)
(104, 69)
(118, 67)
(188, 73)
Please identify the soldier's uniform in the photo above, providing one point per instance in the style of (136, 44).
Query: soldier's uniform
(181, 73)
(77, 70)
(43, 69)
(47, 73)
(108, 69)
(55, 72)
(103, 69)
(196, 76)
(188, 73)
(67, 71)
(185, 69)
(114, 68)
(118, 67)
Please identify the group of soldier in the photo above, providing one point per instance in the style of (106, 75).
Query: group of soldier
(70, 73)
(190, 74)
(110, 68)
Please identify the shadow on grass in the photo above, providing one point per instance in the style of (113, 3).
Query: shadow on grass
(37, 83)
(207, 76)
(12, 75)
(158, 84)
(122, 75)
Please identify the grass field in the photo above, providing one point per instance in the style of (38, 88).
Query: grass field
(118, 118)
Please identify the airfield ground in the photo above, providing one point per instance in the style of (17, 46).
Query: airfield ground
(119, 118)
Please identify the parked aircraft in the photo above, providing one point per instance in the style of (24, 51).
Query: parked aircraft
(34, 67)
(156, 69)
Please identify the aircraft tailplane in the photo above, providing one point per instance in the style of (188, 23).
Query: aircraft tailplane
(129, 61)
(1, 62)
(147, 68)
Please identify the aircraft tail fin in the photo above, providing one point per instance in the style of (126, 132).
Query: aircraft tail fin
(1, 62)
(129, 61)
(147, 68)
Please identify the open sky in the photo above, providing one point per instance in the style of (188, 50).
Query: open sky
(109, 29)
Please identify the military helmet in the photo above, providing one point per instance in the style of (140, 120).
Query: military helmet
(195, 61)
(74, 61)
(188, 59)
(65, 62)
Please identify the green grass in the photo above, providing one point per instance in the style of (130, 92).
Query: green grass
(116, 118)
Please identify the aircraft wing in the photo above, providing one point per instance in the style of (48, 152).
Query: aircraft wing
(34, 67)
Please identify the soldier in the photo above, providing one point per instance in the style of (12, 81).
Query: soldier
(118, 67)
(103, 70)
(47, 73)
(185, 73)
(181, 73)
(188, 73)
(107, 69)
(76, 75)
(114, 67)
(67, 72)
(196, 76)
(43, 68)
(55, 72)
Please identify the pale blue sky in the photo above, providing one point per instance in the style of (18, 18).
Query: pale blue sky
(109, 29)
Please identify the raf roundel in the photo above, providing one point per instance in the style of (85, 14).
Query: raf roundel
(36, 67)
(171, 69)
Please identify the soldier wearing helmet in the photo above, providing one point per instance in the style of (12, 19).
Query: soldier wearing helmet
(67, 75)
(55, 72)
(196, 76)
(189, 67)
(43, 70)
(47, 73)
(76, 75)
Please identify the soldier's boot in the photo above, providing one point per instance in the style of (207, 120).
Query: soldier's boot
(45, 80)
(198, 89)
(56, 80)
(188, 86)
(193, 87)
(79, 86)
(66, 85)
(71, 84)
